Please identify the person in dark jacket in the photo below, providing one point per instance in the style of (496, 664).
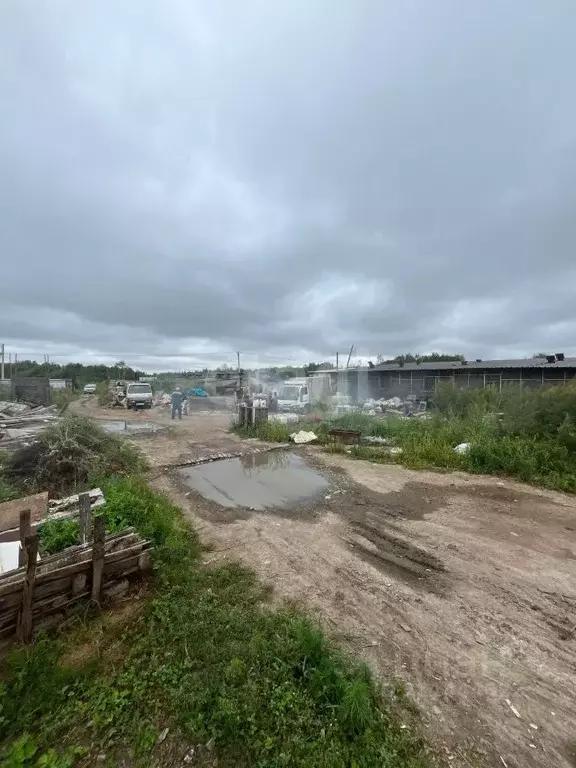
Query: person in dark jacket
(177, 403)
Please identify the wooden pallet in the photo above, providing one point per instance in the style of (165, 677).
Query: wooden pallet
(91, 570)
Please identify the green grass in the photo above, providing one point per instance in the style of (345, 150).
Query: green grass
(529, 435)
(270, 431)
(429, 444)
(208, 658)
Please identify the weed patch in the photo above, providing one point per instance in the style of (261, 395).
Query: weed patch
(529, 434)
(271, 431)
(67, 453)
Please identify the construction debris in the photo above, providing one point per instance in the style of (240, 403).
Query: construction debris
(71, 504)
(303, 437)
(375, 440)
(20, 423)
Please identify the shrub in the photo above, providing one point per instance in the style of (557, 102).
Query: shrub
(67, 452)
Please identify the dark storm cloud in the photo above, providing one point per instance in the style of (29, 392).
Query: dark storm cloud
(287, 178)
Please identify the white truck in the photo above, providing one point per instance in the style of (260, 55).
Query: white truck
(138, 395)
(294, 395)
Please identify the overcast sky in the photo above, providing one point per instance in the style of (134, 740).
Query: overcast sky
(286, 178)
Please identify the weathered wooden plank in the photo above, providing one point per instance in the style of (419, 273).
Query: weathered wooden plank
(84, 516)
(82, 551)
(48, 607)
(40, 590)
(9, 617)
(122, 554)
(25, 530)
(82, 566)
(10, 513)
(79, 583)
(25, 621)
(98, 557)
(121, 567)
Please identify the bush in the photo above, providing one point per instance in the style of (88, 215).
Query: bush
(63, 397)
(68, 452)
(103, 393)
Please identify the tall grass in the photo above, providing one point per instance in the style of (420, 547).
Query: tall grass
(530, 434)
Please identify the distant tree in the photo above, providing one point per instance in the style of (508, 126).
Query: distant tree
(433, 357)
(313, 367)
(538, 354)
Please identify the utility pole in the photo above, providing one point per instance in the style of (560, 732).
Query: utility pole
(239, 374)
(349, 356)
(2, 363)
(336, 360)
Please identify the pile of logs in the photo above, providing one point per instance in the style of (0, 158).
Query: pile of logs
(39, 591)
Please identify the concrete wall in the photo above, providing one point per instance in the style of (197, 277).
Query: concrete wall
(60, 383)
(32, 389)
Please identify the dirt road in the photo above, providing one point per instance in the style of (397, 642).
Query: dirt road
(461, 587)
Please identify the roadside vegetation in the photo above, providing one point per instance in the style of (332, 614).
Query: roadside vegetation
(63, 397)
(67, 454)
(202, 655)
(529, 435)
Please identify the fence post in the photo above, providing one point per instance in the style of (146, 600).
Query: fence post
(84, 517)
(25, 530)
(25, 619)
(98, 556)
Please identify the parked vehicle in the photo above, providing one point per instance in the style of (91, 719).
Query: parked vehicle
(89, 389)
(294, 395)
(138, 395)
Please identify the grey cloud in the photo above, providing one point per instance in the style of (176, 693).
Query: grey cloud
(287, 178)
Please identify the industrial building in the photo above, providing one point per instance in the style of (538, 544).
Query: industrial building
(421, 379)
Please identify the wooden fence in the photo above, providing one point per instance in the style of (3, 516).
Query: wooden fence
(39, 591)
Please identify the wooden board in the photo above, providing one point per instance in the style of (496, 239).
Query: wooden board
(10, 512)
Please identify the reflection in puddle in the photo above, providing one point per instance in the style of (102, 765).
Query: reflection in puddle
(256, 481)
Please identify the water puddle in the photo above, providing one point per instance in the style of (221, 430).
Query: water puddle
(257, 481)
(117, 427)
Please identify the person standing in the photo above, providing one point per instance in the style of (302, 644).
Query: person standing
(177, 403)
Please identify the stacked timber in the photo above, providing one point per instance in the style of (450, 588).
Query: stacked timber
(43, 589)
(19, 426)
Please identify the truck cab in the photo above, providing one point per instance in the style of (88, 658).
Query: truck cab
(138, 395)
(294, 395)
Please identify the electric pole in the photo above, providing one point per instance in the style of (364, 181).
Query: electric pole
(2, 363)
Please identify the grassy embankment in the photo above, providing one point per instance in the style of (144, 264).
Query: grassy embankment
(204, 656)
(529, 435)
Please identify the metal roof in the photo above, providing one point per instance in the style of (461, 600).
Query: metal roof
(455, 365)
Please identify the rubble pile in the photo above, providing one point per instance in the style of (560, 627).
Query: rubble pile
(395, 406)
(20, 423)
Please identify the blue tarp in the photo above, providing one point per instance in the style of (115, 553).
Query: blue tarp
(198, 391)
